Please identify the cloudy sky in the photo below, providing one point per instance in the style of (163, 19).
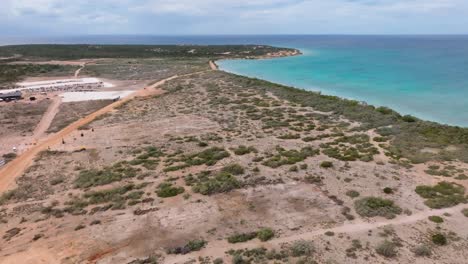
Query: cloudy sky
(173, 17)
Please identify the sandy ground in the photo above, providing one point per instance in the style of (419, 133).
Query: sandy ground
(44, 124)
(14, 169)
(219, 249)
(280, 198)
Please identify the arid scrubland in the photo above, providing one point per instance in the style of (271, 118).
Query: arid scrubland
(225, 169)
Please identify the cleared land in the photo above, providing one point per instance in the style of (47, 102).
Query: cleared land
(71, 112)
(225, 169)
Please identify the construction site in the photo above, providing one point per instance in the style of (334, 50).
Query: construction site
(65, 85)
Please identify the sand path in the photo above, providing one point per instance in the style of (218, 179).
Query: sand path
(218, 248)
(77, 72)
(47, 119)
(213, 66)
(15, 168)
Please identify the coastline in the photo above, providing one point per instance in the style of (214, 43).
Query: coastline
(320, 91)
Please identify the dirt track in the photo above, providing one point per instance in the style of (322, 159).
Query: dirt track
(77, 72)
(47, 119)
(220, 247)
(15, 168)
(213, 66)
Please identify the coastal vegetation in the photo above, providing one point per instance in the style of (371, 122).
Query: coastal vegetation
(69, 52)
(407, 137)
(12, 73)
(442, 195)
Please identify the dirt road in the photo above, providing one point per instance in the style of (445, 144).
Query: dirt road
(77, 72)
(15, 168)
(47, 119)
(218, 248)
(213, 66)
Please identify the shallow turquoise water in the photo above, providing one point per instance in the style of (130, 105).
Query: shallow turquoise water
(423, 76)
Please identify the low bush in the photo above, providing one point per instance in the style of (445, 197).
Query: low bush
(374, 206)
(243, 150)
(422, 251)
(166, 190)
(301, 248)
(219, 183)
(107, 175)
(353, 193)
(442, 195)
(234, 169)
(388, 190)
(326, 164)
(289, 157)
(207, 157)
(265, 234)
(290, 136)
(465, 212)
(193, 245)
(436, 219)
(244, 237)
(387, 249)
(439, 239)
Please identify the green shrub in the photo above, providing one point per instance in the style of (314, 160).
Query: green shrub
(436, 219)
(289, 157)
(207, 157)
(110, 195)
(239, 238)
(301, 248)
(196, 245)
(265, 234)
(218, 261)
(290, 136)
(387, 249)
(353, 193)
(465, 212)
(409, 119)
(166, 190)
(193, 245)
(293, 168)
(439, 239)
(388, 190)
(422, 251)
(234, 169)
(326, 164)
(220, 183)
(442, 195)
(115, 173)
(79, 227)
(243, 150)
(374, 206)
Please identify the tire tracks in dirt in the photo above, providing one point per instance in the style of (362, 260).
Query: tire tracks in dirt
(218, 248)
(16, 168)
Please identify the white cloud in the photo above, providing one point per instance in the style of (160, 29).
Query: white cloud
(233, 16)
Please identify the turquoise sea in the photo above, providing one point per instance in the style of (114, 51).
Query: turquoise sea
(425, 76)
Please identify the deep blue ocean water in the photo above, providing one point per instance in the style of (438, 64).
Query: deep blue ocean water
(425, 76)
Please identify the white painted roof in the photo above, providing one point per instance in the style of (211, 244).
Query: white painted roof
(88, 96)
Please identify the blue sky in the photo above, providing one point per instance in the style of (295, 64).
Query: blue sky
(172, 17)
